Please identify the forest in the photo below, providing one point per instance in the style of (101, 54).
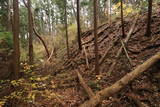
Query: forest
(79, 53)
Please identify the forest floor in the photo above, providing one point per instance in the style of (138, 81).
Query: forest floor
(55, 84)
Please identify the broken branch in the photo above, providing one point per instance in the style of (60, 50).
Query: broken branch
(85, 86)
(107, 92)
(120, 50)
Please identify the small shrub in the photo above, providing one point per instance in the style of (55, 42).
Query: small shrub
(6, 40)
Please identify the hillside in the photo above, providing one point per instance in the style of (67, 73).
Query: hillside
(57, 84)
(142, 92)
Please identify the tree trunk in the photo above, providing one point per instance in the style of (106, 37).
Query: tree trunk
(110, 19)
(36, 33)
(66, 27)
(9, 17)
(96, 37)
(78, 26)
(74, 11)
(122, 21)
(107, 92)
(30, 27)
(148, 32)
(16, 37)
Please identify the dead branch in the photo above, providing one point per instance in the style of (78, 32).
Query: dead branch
(40, 38)
(88, 32)
(121, 48)
(50, 54)
(99, 32)
(106, 52)
(126, 53)
(85, 86)
(86, 55)
(116, 87)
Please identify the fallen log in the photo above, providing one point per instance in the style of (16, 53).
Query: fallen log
(85, 86)
(99, 32)
(88, 32)
(107, 92)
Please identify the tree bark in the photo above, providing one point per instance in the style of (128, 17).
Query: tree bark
(9, 16)
(95, 39)
(78, 26)
(30, 28)
(36, 33)
(66, 27)
(148, 32)
(107, 92)
(16, 37)
(40, 38)
(122, 21)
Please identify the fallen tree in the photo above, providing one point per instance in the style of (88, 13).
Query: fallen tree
(107, 92)
(84, 85)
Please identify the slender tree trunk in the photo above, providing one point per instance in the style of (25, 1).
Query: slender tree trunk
(74, 11)
(95, 40)
(78, 26)
(49, 17)
(35, 31)
(110, 11)
(16, 38)
(66, 26)
(98, 12)
(30, 27)
(148, 32)
(9, 23)
(122, 21)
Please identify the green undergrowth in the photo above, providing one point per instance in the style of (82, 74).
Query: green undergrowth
(6, 40)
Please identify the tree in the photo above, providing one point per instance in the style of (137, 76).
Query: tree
(66, 26)
(9, 17)
(148, 32)
(108, 9)
(78, 26)
(16, 38)
(30, 27)
(122, 21)
(95, 38)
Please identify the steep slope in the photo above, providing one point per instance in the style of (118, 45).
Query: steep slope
(145, 89)
(56, 84)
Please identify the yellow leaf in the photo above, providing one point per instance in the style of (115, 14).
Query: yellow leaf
(98, 77)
